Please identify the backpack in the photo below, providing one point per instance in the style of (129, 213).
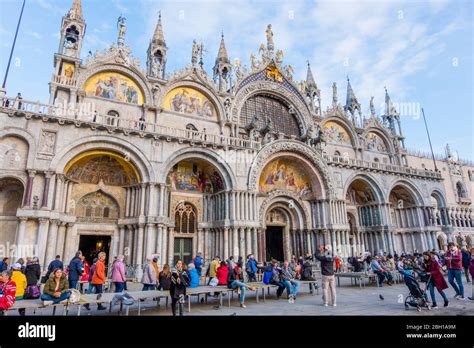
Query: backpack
(267, 276)
(124, 298)
(75, 296)
(32, 292)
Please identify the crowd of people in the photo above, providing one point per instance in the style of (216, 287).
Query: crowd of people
(22, 279)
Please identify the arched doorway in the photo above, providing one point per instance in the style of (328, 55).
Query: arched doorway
(199, 208)
(11, 196)
(277, 225)
(406, 218)
(185, 227)
(100, 187)
(365, 218)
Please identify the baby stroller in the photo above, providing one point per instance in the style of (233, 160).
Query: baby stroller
(416, 298)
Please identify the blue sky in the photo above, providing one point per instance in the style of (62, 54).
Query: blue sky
(420, 50)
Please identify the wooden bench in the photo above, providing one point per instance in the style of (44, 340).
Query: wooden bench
(261, 287)
(311, 283)
(206, 290)
(356, 277)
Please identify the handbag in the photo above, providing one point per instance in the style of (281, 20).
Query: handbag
(32, 292)
(214, 281)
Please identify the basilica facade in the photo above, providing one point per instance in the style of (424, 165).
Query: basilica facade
(139, 161)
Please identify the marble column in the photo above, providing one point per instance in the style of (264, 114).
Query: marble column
(121, 239)
(52, 238)
(29, 188)
(150, 228)
(248, 241)
(242, 242)
(254, 242)
(47, 181)
(20, 238)
(235, 242)
(116, 242)
(61, 239)
(171, 246)
(226, 243)
(41, 239)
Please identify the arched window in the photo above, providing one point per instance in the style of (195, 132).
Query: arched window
(97, 207)
(185, 219)
(376, 160)
(267, 107)
(112, 118)
(337, 153)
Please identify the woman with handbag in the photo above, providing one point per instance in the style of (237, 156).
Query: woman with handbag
(179, 281)
(32, 274)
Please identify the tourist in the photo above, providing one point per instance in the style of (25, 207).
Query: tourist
(471, 270)
(87, 269)
(99, 277)
(338, 263)
(381, 271)
(22, 263)
(276, 278)
(466, 260)
(193, 276)
(288, 278)
(230, 263)
(234, 282)
(90, 289)
(56, 263)
(198, 263)
(118, 274)
(149, 276)
(164, 278)
(221, 273)
(251, 268)
(4, 264)
(33, 272)
(240, 262)
(76, 269)
(20, 280)
(436, 279)
(327, 273)
(307, 271)
(454, 266)
(155, 266)
(56, 288)
(213, 267)
(7, 291)
(179, 282)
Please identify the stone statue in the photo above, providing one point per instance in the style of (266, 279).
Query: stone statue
(334, 93)
(227, 107)
(238, 69)
(122, 28)
(372, 106)
(195, 53)
(289, 72)
(252, 125)
(269, 33)
(261, 49)
(279, 56)
(255, 63)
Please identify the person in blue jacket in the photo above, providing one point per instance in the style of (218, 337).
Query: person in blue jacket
(198, 263)
(251, 268)
(55, 264)
(193, 275)
(76, 267)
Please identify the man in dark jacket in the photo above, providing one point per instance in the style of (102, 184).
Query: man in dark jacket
(327, 272)
(276, 278)
(466, 260)
(56, 263)
(76, 268)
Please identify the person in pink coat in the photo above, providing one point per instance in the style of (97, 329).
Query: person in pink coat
(471, 270)
(118, 274)
(433, 269)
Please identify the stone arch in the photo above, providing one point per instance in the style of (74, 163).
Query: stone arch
(285, 199)
(270, 151)
(303, 115)
(346, 125)
(439, 196)
(201, 87)
(26, 136)
(108, 195)
(12, 190)
(207, 155)
(382, 134)
(109, 143)
(372, 183)
(442, 240)
(131, 72)
(410, 188)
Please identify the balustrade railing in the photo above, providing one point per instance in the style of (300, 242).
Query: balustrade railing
(82, 114)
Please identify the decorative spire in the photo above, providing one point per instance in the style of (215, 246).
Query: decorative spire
(158, 36)
(76, 10)
(334, 94)
(391, 113)
(222, 55)
(352, 104)
(309, 77)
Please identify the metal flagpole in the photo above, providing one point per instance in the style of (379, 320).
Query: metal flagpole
(429, 139)
(13, 46)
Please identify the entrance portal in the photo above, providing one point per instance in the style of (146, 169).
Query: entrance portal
(91, 246)
(183, 248)
(274, 243)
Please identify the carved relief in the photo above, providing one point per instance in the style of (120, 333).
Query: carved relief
(13, 153)
(97, 207)
(47, 142)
